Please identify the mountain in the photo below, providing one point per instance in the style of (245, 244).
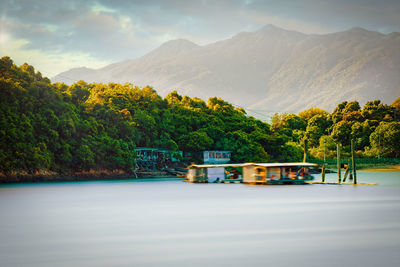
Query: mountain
(272, 69)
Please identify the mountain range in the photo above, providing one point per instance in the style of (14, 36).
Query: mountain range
(272, 69)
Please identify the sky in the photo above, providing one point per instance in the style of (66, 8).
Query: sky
(55, 36)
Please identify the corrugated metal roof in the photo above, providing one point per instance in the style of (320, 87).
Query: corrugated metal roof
(219, 165)
(288, 164)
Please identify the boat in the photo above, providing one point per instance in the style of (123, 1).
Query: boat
(179, 172)
(252, 173)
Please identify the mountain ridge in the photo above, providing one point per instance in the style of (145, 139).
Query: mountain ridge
(269, 69)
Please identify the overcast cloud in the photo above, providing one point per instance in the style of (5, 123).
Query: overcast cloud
(58, 35)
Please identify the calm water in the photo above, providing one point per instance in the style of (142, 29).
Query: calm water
(166, 222)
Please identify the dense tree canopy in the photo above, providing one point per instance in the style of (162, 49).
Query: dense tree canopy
(348, 121)
(97, 126)
(45, 126)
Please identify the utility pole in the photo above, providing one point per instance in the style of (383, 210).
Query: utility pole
(324, 150)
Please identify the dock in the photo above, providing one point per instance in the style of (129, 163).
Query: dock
(342, 183)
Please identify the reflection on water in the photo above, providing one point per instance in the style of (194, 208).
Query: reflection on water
(167, 222)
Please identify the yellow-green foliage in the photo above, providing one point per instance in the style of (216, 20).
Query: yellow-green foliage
(348, 121)
(97, 126)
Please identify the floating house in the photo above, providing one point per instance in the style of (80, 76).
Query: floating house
(154, 154)
(216, 156)
(150, 158)
(252, 173)
(208, 156)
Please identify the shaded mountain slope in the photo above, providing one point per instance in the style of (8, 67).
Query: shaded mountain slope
(271, 69)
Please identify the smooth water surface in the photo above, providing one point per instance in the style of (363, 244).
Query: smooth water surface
(167, 222)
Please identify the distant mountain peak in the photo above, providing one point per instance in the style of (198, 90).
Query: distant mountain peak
(170, 49)
(358, 29)
(270, 28)
(270, 69)
(179, 43)
(272, 31)
(362, 31)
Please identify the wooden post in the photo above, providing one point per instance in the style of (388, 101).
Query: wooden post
(323, 173)
(338, 163)
(350, 170)
(353, 162)
(346, 173)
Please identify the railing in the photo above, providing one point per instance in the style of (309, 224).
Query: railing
(361, 162)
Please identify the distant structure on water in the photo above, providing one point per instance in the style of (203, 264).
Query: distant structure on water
(156, 158)
(216, 156)
(152, 159)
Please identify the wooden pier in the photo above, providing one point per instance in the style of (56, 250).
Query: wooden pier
(342, 183)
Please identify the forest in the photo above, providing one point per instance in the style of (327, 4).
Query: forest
(55, 127)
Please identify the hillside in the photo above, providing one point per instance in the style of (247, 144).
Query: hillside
(51, 129)
(271, 69)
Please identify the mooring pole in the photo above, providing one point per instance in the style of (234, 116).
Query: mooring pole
(353, 162)
(338, 162)
(347, 171)
(350, 169)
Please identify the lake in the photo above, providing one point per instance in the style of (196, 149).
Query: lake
(167, 222)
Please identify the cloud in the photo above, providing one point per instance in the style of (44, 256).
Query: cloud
(50, 64)
(109, 31)
(96, 34)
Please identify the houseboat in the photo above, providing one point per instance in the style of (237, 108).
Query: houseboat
(208, 156)
(216, 157)
(252, 173)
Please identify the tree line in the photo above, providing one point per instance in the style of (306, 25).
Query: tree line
(62, 128)
(374, 129)
(53, 126)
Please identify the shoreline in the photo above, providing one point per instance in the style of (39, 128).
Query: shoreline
(390, 168)
(103, 175)
(47, 177)
(363, 167)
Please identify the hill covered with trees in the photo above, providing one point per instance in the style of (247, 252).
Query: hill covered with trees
(63, 128)
(45, 126)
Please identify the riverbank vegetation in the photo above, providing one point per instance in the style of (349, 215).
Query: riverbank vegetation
(58, 128)
(375, 129)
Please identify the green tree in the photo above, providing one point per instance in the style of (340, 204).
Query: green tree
(317, 126)
(341, 132)
(79, 92)
(195, 141)
(387, 136)
(306, 115)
